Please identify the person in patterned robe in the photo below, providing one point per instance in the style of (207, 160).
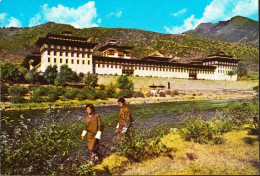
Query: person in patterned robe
(125, 120)
(93, 131)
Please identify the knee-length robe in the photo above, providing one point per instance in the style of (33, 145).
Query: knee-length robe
(92, 126)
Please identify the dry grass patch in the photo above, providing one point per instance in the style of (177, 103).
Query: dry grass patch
(238, 155)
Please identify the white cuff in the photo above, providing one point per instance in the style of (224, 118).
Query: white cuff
(124, 130)
(84, 132)
(117, 126)
(98, 135)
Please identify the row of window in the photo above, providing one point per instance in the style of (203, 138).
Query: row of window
(226, 67)
(216, 62)
(55, 60)
(68, 48)
(55, 53)
(154, 69)
(223, 71)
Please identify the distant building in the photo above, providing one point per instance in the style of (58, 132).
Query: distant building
(115, 58)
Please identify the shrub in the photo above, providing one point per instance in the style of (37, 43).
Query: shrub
(102, 87)
(101, 95)
(4, 90)
(37, 150)
(141, 144)
(111, 90)
(168, 92)
(81, 95)
(198, 130)
(71, 94)
(125, 94)
(173, 93)
(138, 94)
(53, 94)
(162, 94)
(124, 83)
(242, 112)
(91, 80)
(17, 93)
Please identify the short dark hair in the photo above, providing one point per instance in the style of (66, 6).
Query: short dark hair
(91, 106)
(122, 100)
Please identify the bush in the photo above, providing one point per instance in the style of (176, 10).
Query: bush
(102, 95)
(124, 83)
(37, 150)
(242, 112)
(4, 90)
(138, 94)
(71, 94)
(173, 93)
(205, 131)
(141, 145)
(17, 93)
(82, 95)
(162, 94)
(111, 90)
(168, 92)
(53, 94)
(125, 94)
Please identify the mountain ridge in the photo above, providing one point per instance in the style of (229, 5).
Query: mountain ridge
(237, 29)
(16, 43)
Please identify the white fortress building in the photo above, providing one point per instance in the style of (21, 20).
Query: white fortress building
(114, 58)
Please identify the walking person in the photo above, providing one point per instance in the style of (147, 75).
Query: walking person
(125, 120)
(93, 128)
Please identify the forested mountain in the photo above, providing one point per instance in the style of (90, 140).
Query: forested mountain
(237, 29)
(16, 43)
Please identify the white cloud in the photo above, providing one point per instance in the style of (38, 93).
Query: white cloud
(14, 22)
(9, 22)
(216, 11)
(82, 17)
(117, 14)
(180, 12)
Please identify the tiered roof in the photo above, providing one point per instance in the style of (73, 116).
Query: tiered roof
(63, 40)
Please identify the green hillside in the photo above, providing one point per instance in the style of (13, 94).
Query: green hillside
(21, 41)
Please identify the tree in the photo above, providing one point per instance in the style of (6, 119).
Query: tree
(231, 73)
(91, 80)
(50, 74)
(241, 70)
(9, 72)
(29, 76)
(65, 75)
(124, 83)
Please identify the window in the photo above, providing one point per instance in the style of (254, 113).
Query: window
(83, 62)
(52, 46)
(98, 65)
(77, 54)
(49, 59)
(67, 61)
(60, 60)
(49, 52)
(72, 61)
(64, 47)
(67, 53)
(55, 60)
(61, 53)
(58, 47)
(89, 55)
(88, 62)
(55, 53)
(77, 61)
(46, 46)
(75, 48)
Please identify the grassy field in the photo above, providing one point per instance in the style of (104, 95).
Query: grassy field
(239, 155)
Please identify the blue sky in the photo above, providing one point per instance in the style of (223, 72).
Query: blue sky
(164, 16)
